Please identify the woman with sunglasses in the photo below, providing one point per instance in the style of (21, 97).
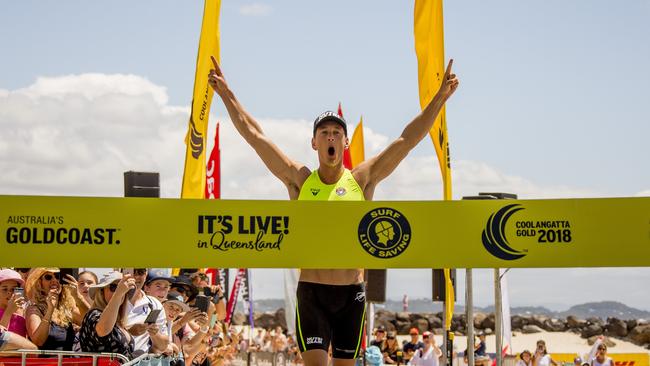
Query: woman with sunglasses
(601, 358)
(390, 349)
(53, 312)
(104, 327)
(429, 355)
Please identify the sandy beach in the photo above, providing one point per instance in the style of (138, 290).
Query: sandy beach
(556, 342)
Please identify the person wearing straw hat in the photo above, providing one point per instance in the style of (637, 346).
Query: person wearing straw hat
(53, 312)
(12, 302)
(103, 328)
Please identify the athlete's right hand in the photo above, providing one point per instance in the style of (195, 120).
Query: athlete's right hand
(216, 79)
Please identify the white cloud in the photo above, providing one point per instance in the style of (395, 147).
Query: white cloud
(76, 135)
(256, 10)
(645, 193)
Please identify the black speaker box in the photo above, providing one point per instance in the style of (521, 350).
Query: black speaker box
(375, 285)
(140, 184)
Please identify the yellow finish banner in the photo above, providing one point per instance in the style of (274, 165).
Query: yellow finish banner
(148, 232)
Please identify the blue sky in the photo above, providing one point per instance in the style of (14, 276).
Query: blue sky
(552, 103)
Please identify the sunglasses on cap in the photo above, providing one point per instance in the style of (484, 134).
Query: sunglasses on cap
(50, 276)
(181, 289)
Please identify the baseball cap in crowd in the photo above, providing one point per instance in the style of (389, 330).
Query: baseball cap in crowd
(107, 279)
(159, 274)
(414, 331)
(330, 116)
(178, 301)
(11, 275)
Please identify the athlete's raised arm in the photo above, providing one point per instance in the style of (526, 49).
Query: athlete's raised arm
(291, 173)
(372, 171)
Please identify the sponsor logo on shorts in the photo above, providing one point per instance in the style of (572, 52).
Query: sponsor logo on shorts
(361, 296)
(314, 340)
(340, 191)
(384, 232)
(314, 191)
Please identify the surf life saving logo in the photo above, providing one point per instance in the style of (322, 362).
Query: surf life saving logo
(384, 232)
(494, 237)
(541, 233)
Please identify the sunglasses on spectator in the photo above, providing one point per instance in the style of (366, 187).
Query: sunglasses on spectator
(425, 337)
(180, 289)
(390, 337)
(139, 271)
(112, 287)
(49, 276)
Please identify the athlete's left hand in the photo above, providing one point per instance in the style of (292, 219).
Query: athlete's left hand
(449, 82)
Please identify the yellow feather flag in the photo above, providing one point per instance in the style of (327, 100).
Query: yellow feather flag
(430, 51)
(357, 152)
(196, 138)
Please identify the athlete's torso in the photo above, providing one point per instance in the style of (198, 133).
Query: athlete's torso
(345, 189)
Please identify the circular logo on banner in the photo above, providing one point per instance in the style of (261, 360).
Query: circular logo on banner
(384, 232)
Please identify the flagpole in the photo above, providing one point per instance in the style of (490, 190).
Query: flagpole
(498, 322)
(469, 309)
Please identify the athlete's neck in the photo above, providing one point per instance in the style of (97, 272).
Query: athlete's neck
(330, 174)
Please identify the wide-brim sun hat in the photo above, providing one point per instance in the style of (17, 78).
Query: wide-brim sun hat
(178, 301)
(11, 275)
(34, 276)
(107, 279)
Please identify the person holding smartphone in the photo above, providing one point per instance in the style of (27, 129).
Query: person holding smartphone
(150, 284)
(52, 313)
(541, 357)
(12, 300)
(104, 326)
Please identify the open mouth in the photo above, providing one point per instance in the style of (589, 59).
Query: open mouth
(331, 151)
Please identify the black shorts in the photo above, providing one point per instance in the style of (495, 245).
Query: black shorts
(330, 313)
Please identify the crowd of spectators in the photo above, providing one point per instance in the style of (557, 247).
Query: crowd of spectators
(139, 311)
(131, 312)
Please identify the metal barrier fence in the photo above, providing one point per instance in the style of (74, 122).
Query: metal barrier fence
(60, 358)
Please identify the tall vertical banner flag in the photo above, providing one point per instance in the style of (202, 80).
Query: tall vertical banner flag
(347, 158)
(213, 171)
(430, 51)
(195, 140)
(356, 149)
(247, 297)
(234, 295)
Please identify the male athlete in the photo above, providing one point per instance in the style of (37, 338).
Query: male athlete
(330, 302)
